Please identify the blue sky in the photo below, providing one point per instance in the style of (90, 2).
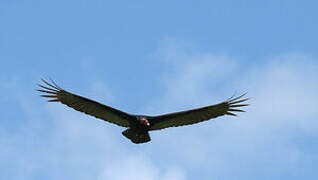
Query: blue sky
(156, 57)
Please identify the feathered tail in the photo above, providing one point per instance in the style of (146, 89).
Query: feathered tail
(136, 137)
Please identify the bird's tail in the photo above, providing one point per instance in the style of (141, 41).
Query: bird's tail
(136, 137)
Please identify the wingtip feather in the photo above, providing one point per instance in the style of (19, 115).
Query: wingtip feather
(239, 101)
(47, 83)
(238, 97)
(237, 110)
(55, 84)
(53, 100)
(238, 105)
(49, 96)
(55, 90)
(44, 91)
(231, 114)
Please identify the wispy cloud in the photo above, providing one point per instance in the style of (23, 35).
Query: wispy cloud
(58, 143)
(137, 167)
(271, 140)
(275, 138)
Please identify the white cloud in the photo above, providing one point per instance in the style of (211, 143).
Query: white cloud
(273, 139)
(265, 138)
(136, 167)
(130, 167)
(56, 142)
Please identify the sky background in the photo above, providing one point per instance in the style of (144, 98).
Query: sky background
(152, 57)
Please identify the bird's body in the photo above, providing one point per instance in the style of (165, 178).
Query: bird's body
(138, 126)
(138, 129)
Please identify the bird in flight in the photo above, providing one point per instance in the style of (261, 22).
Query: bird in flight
(138, 126)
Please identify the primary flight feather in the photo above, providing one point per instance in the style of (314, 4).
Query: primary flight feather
(138, 126)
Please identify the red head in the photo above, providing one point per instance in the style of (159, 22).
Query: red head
(144, 121)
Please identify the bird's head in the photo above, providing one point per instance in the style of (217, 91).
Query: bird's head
(144, 121)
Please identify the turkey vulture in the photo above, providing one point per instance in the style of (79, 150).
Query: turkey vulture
(138, 126)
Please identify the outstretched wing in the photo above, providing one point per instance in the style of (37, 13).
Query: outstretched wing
(197, 115)
(82, 104)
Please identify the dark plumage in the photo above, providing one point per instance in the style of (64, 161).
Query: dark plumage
(138, 126)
